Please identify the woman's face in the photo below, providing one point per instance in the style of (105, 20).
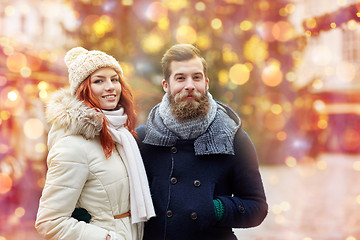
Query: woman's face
(106, 86)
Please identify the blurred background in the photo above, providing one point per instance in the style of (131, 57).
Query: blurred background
(289, 68)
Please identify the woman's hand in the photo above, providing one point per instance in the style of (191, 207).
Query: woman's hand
(108, 237)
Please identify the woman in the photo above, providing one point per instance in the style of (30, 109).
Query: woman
(93, 161)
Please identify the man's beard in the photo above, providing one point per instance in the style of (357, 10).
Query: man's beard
(189, 109)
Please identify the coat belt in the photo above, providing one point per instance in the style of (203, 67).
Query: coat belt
(127, 214)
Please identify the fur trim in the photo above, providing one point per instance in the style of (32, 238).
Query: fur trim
(69, 113)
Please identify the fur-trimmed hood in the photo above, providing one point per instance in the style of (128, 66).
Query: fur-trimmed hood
(70, 116)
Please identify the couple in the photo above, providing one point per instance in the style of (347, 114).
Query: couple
(192, 174)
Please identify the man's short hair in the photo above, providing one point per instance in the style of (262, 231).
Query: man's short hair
(180, 52)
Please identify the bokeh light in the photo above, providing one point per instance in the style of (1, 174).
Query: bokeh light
(186, 34)
(239, 74)
(5, 183)
(33, 128)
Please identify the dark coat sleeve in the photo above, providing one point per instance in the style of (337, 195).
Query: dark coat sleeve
(247, 207)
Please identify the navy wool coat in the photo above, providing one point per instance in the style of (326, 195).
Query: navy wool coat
(183, 187)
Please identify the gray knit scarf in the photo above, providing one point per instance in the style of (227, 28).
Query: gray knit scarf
(213, 134)
(190, 129)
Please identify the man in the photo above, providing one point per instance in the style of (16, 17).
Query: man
(202, 167)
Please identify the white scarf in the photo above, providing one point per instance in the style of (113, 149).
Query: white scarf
(141, 204)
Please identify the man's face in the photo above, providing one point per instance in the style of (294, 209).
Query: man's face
(187, 89)
(186, 76)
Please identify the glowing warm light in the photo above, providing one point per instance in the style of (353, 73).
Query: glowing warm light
(16, 62)
(272, 75)
(175, 5)
(318, 84)
(255, 50)
(274, 122)
(223, 77)
(283, 12)
(246, 25)
(264, 5)
(33, 128)
(186, 34)
(19, 212)
(5, 183)
(356, 165)
(342, 3)
(40, 147)
(25, 72)
(163, 23)
(290, 8)
(310, 23)
(156, 11)
(290, 76)
(319, 106)
(307, 238)
(127, 2)
(352, 25)
(5, 115)
(276, 109)
(290, 161)
(9, 10)
(203, 41)
(13, 95)
(333, 25)
(276, 209)
(152, 43)
(322, 124)
(103, 25)
(43, 94)
(281, 136)
(200, 6)
(321, 165)
(43, 85)
(229, 56)
(247, 110)
(239, 74)
(350, 238)
(216, 23)
(282, 31)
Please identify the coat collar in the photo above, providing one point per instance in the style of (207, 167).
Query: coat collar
(70, 115)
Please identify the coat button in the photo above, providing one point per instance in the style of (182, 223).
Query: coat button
(173, 150)
(173, 180)
(169, 213)
(241, 208)
(197, 183)
(193, 215)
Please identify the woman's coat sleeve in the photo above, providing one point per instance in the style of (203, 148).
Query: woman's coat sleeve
(66, 176)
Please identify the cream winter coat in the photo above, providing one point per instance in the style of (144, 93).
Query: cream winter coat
(79, 175)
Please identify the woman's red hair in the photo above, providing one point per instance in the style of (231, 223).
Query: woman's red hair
(85, 94)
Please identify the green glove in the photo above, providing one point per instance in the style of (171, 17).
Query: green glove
(219, 209)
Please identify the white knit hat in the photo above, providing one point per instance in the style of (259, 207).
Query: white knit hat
(82, 63)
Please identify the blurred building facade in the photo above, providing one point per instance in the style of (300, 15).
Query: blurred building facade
(328, 75)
